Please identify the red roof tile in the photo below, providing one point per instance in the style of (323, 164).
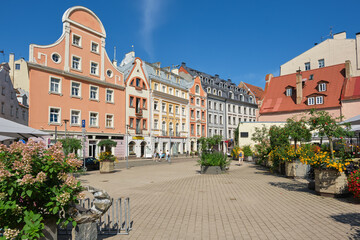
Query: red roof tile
(275, 99)
(351, 89)
(257, 91)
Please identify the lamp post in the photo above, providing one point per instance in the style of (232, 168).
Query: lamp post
(127, 147)
(66, 121)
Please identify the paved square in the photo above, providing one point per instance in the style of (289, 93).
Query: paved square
(173, 201)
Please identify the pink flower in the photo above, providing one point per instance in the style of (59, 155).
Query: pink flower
(41, 177)
(27, 179)
(73, 161)
(4, 174)
(71, 182)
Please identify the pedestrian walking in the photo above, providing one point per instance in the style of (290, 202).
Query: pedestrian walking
(160, 155)
(241, 157)
(168, 156)
(154, 156)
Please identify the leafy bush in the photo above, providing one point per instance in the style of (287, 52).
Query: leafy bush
(70, 145)
(214, 159)
(247, 151)
(35, 185)
(235, 152)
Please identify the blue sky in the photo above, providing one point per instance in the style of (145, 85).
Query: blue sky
(240, 40)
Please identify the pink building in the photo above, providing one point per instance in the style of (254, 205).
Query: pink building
(332, 89)
(73, 81)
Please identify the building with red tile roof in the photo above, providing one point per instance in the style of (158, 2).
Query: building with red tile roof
(330, 88)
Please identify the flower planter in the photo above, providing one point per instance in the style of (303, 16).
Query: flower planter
(269, 163)
(107, 167)
(249, 158)
(296, 169)
(211, 170)
(50, 229)
(282, 168)
(331, 183)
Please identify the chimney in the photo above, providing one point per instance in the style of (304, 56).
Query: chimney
(348, 69)
(183, 64)
(11, 59)
(299, 93)
(340, 35)
(216, 75)
(114, 62)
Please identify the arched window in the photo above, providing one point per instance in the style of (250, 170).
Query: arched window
(163, 126)
(220, 93)
(231, 95)
(241, 97)
(214, 91)
(197, 89)
(171, 129)
(209, 90)
(250, 99)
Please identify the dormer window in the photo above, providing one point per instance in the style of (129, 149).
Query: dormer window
(220, 93)
(214, 91)
(289, 92)
(311, 77)
(310, 101)
(322, 87)
(211, 82)
(319, 100)
(209, 90)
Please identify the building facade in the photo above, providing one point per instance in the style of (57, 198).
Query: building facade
(198, 113)
(137, 107)
(228, 105)
(74, 88)
(330, 52)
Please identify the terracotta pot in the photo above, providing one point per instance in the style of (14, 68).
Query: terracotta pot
(107, 166)
(329, 182)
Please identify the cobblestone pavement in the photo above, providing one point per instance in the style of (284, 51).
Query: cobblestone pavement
(173, 201)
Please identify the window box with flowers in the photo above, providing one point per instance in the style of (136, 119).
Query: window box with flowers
(106, 158)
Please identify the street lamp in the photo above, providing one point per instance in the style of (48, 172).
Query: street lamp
(127, 147)
(66, 121)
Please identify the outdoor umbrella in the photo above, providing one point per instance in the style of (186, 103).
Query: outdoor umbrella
(12, 129)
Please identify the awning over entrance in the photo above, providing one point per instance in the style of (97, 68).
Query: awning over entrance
(10, 129)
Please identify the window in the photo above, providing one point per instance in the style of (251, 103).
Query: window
(241, 97)
(109, 73)
(289, 92)
(156, 86)
(202, 115)
(131, 123)
(144, 124)
(183, 110)
(171, 91)
(164, 88)
(75, 89)
(177, 93)
(94, 69)
(202, 102)
(55, 85)
(163, 107)
(94, 92)
(198, 129)
(170, 108)
(177, 110)
(12, 111)
(144, 104)
(197, 89)
(221, 119)
(220, 93)
(322, 87)
(55, 57)
(209, 105)
(321, 63)
(192, 113)
(76, 63)
(221, 107)
(197, 101)
(307, 66)
(109, 95)
(138, 82)
(208, 90)
(244, 134)
(157, 72)
(221, 132)
(311, 77)
(233, 108)
(156, 124)
(54, 115)
(3, 91)
(192, 129)
(319, 100)
(214, 91)
(215, 106)
(75, 117)
(229, 108)
(131, 101)
(210, 132)
(197, 114)
(239, 109)
(311, 101)
(17, 66)
(183, 127)
(229, 120)
(94, 47)
(109, 121)
(234, 120)
(76, 40)
(156, 105)
(215, 119)
(93, 119)
(210, 118)
(192, 100)
(183, 94)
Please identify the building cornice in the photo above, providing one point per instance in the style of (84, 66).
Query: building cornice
(73, 75)
(169, 97)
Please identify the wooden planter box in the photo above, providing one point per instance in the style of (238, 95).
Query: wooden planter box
(211, 170)
(330, 183)
(107, 167)
(296, 169)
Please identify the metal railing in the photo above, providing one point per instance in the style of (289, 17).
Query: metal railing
(116, 220)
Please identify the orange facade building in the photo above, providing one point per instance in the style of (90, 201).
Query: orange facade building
(73, 81)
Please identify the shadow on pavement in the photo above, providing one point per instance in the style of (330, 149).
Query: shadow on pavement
(292, 186)
(353, 219)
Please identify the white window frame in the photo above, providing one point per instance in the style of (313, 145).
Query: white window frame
(156, 103)
(310, 101)
(112, 95)
(60, 85)
(197, 101)
(96, 69)
(71, 87)
(59, 117)
(79, 122)
(156, 85)
(97, 93)
(112, 120)
(163, 107)
(322, 61)
(55, 53)
(183, 111)
(289, 92)
(97, 49)
(80, 40)
(322, 87)
(307, 64)
(171, 91)
(197, 89)
(72, 61)
(171, 108)
(111, 75)
(177, 110)
(97, 119)
(319, 100)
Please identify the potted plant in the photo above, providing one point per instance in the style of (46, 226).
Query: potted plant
(213, 163)
(106, 158)
(36, 189)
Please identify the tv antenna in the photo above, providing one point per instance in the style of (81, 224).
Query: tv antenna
(330, 35)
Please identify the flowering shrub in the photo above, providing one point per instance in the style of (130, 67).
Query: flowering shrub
(354, 183)
(283, 153)
(321, 159)
(35, 185)
(106, 156)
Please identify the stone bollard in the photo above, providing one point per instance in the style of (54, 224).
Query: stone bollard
(86, 231)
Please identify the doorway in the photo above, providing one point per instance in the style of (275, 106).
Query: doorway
(92, 148)
(143, 144)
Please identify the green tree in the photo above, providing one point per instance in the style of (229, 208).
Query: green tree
(108, 144)
(298, 130)
(262, 139)
(329, 126)
(278, 136)
(70, 145)
(208, 143)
